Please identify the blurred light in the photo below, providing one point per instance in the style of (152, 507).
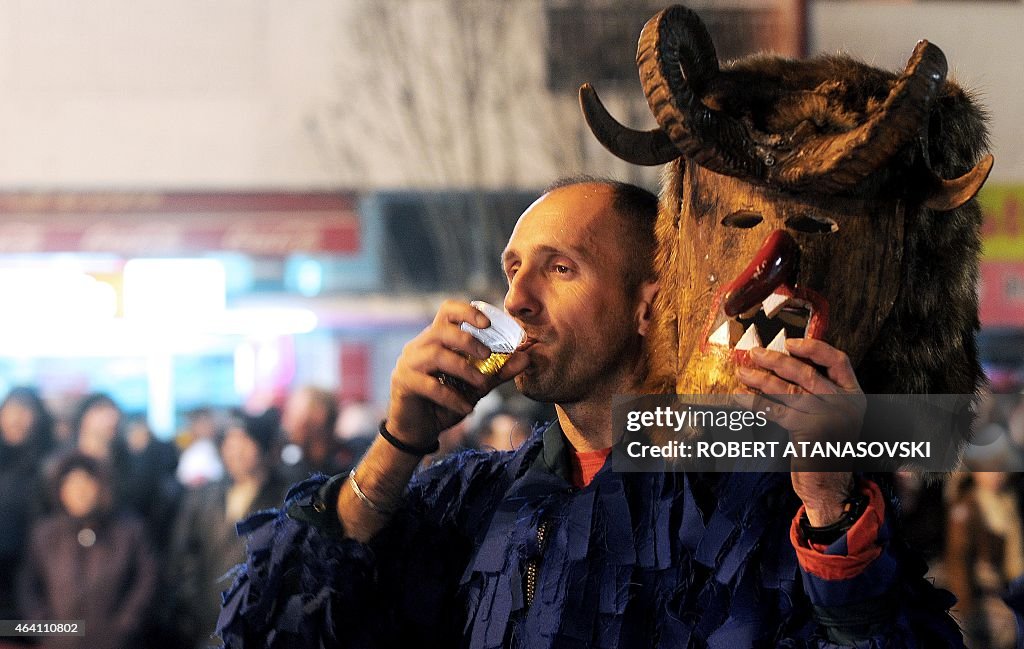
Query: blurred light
(160, 398)
(245, 369)
(291, 454)
(310, 277)
(171, 306)
(34, 296)
(268, 360)
(73, 338)
(238, 272)
(173, 291)
(264, 321)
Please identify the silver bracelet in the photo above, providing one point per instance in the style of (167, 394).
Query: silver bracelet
(363, 497)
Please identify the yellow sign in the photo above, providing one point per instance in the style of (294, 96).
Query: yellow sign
(1002, 230)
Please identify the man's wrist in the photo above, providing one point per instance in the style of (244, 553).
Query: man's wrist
(825, 534)
(366, 500)
(380, 484)
(823, 513)
(383, 476)
(418, 450)
(824, 495)
(851, 553)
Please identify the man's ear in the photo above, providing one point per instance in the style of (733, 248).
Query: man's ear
(645, 306)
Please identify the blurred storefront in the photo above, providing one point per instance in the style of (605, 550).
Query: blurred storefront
(169, 301)
(1001, 286)
(1002, 269)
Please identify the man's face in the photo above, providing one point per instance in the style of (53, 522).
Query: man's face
(297, 417)
(564, 264)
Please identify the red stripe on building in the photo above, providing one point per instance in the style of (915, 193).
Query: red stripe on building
(272, 224)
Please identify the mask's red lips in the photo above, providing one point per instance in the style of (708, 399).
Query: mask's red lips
(762, 307)
(774, 264)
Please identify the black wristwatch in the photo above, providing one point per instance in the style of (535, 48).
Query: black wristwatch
(853, 507)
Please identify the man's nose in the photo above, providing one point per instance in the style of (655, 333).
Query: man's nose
(521, 299)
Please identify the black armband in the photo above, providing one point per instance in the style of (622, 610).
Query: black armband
(418, 451)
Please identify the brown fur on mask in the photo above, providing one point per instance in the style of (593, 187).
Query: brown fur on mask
(872, 174)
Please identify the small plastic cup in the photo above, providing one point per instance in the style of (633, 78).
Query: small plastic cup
(502, 337)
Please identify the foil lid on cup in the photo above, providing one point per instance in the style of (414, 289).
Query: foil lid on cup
(504, 334)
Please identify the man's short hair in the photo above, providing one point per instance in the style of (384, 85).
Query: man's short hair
(638, 212)
(326, 402)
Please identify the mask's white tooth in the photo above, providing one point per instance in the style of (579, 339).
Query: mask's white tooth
(720, 335)
(727, 334)
(773, 304)
(750, 339)
(778, 343)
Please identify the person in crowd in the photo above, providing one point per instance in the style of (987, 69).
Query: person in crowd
(985, 542)
(25, 439)
(204, 543)
(151, 490)
(355, 429)
(546, 546)
(88, 563)
(142, 443)
(96, 428)
(97, 431)
(199, 462)
(502, 431)
(308, 421)
(450, 441)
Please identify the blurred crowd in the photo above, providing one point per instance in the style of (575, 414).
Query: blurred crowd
(102, 522)
(968, 524)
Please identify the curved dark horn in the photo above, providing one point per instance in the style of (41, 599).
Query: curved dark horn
(845, 159)
(677, 59)
(648, 148)
(950, 194)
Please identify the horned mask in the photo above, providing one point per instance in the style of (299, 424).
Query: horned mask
(821, 198)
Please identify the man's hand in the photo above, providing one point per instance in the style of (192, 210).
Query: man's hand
(813, 406)
(421, 406)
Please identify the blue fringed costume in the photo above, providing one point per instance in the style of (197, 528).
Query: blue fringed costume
(631, 560)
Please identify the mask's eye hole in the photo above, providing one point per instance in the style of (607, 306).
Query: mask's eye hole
(811, 224)
(742, 219)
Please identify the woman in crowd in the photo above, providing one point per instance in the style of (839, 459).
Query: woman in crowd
(88, 563)
(985, 543)
(95, 430)
(25, 438)
(205, 546)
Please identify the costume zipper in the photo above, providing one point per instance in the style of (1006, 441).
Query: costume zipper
(533, 565)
